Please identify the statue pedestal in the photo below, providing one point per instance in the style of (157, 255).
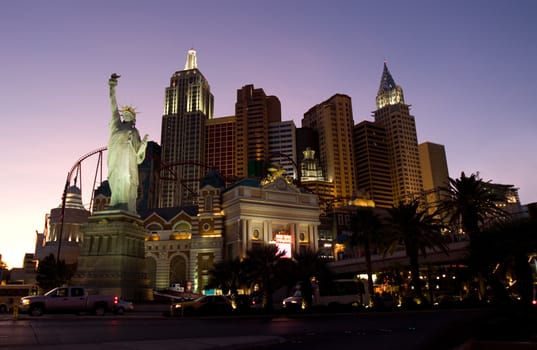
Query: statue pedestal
(112, 259)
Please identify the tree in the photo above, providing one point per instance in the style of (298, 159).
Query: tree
(228, 275)
(418, 231)
(505, 250)
(309, 266)
(261, 263)
(366, 230)
(4, 272)
(470, 204)
(52, 273)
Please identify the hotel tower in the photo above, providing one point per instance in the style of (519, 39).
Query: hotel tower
(394, 115)
(188, 105)
(332, 120)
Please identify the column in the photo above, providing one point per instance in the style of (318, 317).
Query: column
(242, 239)
(294, 238)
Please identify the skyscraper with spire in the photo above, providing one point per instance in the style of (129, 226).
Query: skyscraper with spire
(393, 114)
(188, 105)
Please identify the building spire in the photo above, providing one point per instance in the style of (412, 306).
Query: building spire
(386, 81)
(191, 62)
(389, 93)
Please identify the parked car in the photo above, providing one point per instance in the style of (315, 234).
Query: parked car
(204, 305)
(256, 301)
(67, 300)
(293, 302)
(244, 303)
(123, 306)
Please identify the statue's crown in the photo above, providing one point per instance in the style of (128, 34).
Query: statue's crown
(129, 109)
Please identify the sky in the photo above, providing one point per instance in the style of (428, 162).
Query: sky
(467, 68)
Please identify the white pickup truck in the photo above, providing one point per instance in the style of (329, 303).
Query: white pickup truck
(67, 300)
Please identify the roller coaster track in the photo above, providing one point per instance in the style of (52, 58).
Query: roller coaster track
(77, 168)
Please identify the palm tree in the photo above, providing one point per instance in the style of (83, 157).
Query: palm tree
(310, 265)
(470, 204)
(261, 261)
(227, 275)
(366, 228)
(418, 231)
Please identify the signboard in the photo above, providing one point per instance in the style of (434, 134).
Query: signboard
(283, 242)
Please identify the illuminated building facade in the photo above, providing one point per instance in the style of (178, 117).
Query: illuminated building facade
(254, 111)
(333, 122)
(64, 236)
(282, 146)
(221, 143)
(188, 105)
(276, 213)
(434, 171)
(394, 115)
(312, 179)
(184, 243)
(167, 248)
(372, 163)
(310, 170)
(509, 200)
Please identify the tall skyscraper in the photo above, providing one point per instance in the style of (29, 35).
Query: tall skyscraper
(394, 115)
(254, 111)
(282, 147)
(188, 105)
(373, 174)
(434, 171)
(333, 122)
(220, 144)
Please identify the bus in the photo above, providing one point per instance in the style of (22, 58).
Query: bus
(10, 295)
(342, 292)
(335, 294)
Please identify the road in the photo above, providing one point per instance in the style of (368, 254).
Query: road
(382, 330)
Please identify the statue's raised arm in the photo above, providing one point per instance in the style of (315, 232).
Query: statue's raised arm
(125, 151)
(112, 82)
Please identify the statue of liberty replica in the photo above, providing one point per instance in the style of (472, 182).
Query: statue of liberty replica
(125, 152)
(112, 257)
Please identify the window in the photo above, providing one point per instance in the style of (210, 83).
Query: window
(77, 292)
(208, 203)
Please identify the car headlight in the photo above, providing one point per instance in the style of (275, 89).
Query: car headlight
(25, 301)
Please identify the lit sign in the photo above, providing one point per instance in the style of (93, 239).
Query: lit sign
(283, 242)
(284, 239)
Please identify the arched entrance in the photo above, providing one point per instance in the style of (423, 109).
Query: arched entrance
(178, 269)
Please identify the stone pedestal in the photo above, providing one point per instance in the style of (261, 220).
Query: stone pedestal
(112, 259)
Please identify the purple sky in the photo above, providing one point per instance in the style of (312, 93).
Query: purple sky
(466, 67)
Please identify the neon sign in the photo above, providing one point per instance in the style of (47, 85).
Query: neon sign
(283, 242)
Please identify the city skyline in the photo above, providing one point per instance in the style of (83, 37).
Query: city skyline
(465, 68)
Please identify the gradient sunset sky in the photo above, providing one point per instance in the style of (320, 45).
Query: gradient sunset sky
(467, 68)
